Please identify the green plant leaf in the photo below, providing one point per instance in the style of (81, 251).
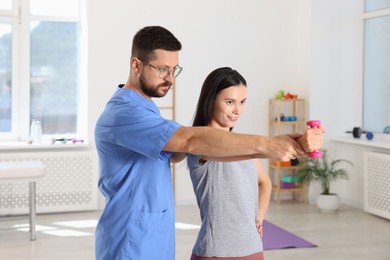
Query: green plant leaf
(322, 170)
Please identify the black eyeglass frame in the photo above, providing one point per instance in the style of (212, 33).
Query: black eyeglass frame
(165, 71)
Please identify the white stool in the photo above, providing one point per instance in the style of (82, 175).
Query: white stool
(24, 171)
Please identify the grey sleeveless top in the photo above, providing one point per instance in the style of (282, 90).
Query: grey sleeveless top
(227, 196)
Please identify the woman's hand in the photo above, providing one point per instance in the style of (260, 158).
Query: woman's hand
(259, 227)
(311, 139)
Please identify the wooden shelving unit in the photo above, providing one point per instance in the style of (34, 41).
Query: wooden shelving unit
(167, 107)
(294, 109)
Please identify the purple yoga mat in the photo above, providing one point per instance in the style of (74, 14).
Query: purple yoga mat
(275, 237)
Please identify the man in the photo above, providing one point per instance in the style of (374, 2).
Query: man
(136, 145)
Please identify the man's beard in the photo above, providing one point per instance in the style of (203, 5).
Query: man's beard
(153, 92)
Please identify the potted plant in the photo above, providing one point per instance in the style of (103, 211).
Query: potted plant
(324, 171)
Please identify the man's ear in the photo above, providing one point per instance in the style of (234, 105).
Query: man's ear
(135, 64)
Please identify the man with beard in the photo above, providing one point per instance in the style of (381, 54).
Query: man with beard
(136, 145)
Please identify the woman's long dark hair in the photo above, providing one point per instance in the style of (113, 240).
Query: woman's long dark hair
(216, 81)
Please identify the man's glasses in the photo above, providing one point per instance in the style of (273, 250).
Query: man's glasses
(165, 71)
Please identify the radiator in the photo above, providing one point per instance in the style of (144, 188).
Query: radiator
(69, 183)
(377, 184)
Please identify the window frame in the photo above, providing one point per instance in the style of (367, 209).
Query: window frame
(20, 19)
(366, 16)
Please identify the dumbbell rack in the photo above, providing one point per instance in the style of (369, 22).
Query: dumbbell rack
(278, 170)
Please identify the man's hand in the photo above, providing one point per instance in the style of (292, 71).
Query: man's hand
(284, 147)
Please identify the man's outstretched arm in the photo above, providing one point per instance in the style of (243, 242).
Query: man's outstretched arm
(213, 142)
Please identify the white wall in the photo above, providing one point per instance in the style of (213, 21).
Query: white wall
(309, 47)
(336, 84)
(336, 64)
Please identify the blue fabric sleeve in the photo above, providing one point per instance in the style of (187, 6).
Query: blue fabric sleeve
(144, 132)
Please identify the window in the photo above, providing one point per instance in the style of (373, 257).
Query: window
(375, 5)
(376, 105)
(41, 68)
(5, 76)
(6, 5)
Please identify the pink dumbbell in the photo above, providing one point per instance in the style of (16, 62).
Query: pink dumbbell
(314, 124)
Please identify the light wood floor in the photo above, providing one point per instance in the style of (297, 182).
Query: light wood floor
(349, 234)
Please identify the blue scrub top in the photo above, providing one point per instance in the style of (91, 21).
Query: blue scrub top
(135, 178)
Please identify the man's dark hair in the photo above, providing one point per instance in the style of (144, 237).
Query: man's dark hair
(151, 38)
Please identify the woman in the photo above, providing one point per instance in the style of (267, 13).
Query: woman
(233, 193)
